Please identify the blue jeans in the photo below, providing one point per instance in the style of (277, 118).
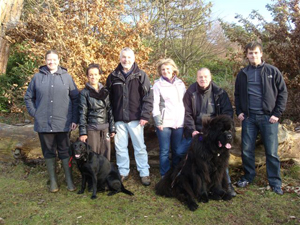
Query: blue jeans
(136, 133)
(268, 131)
(169, 137)
(185, 145)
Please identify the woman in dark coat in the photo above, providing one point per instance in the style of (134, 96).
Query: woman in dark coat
(52, 99)
(96, 122)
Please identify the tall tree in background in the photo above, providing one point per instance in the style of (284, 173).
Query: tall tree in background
(280, 39)
(182, 29)
(82, 31)
(10, 12)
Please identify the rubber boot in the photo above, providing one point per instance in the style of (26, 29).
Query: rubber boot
(68, 174)
(51, 164)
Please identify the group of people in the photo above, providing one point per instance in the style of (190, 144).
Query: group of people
(122, 107)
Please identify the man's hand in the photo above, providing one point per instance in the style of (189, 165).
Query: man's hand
(143, 122)
(195, 133)
(83, 138)
(241, 117)
(273, 119)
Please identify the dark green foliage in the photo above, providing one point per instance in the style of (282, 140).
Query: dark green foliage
(19, 70)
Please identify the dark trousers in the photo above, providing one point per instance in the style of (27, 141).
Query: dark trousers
(269, 132)
(52, 142)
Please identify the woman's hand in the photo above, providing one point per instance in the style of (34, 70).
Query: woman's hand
(73, 126)
(161, 127)
(83, 138)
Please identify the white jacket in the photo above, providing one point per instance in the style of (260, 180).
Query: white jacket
(168, 108)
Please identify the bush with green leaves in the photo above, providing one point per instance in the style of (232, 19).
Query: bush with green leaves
(221, 70)
(13, 83)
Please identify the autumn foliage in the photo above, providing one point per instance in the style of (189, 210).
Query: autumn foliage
(281, 43)
(82, 31)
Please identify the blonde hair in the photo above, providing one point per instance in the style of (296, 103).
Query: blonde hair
(167, 61)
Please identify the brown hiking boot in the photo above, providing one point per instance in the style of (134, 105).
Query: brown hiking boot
(146, 181)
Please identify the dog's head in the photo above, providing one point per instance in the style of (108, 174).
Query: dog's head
(80, 150)
(220, 131)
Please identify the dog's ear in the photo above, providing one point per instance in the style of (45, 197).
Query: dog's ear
(90, 155)
(88, 148)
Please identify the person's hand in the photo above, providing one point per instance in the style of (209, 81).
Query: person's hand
(241, 117)
(161, 127)
(195, 133)
(143, 122)
(273, 119)
(73, 126)
(112, 135)
(83, 138)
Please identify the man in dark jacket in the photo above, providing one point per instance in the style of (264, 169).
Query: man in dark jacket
(204, 100)
(260, 98)
(131, 99)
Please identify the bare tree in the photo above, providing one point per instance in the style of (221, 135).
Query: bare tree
(182, 29)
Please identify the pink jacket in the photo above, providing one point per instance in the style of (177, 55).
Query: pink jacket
(168, 108)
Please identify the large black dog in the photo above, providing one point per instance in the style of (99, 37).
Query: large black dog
(201, 174)
(97, 170)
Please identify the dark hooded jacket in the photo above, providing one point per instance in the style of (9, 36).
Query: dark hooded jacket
(52, 99)
(131, 97)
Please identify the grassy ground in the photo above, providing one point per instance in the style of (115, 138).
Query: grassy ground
(25, 199)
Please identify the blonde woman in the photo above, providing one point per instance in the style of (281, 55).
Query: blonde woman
(168, 112)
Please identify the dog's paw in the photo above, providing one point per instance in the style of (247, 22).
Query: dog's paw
(193, 206)
(80, 192)
(112, 193)
(203, 198)
(214, 196)
(93, 197)
(227, 197)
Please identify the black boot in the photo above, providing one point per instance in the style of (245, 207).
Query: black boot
(68, 174)
(51, 164)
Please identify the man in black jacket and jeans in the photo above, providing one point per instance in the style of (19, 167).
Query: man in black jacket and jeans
(260, 98)
(204, 100)
(132, 101)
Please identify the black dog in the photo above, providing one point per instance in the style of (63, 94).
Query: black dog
(97, 170)
(201, 174)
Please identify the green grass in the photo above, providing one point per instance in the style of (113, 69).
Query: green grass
(25, 199)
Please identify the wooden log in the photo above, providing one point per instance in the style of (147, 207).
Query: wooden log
(21, 142)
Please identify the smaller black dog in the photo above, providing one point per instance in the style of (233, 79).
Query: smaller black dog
(97, 170)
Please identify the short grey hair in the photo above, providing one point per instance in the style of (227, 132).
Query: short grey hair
(126, 49)
(204, 68)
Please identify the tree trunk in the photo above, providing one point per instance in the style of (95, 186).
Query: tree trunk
(10, 12)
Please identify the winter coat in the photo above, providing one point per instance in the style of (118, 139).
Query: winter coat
(131, 97)
(192, 104)
(273, 88)
(52, 99)
(94, 108)
(168, 108)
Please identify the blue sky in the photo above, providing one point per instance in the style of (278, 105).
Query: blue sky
(227, 9)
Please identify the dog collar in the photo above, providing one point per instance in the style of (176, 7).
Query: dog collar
(200, 138)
